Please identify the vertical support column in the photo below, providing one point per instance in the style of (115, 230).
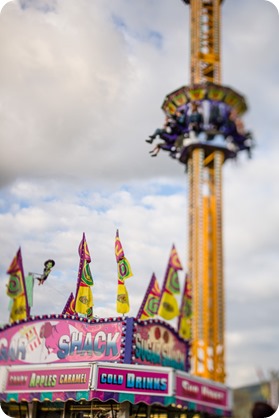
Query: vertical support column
(206, 263)
(205, 41)
(196, 240)
(219, 303)
(217, 41)
(190, 224)
(208, 270)
(195, 41)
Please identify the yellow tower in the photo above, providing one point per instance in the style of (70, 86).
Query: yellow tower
(205, 261)
(204, 151)
(205, 40)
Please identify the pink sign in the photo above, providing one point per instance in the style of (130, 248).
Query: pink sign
(191, 389)
(133, 379)
(49, 380)
(60, 340)
(159, 345)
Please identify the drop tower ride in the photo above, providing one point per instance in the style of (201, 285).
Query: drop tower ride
(204, 151)
(205, 207)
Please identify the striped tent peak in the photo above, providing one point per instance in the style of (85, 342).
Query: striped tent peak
(83, 250)
(119, 252)
(174, 259)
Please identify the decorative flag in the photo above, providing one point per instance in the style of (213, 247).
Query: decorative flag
(168, 306)
(83, 303)
(150, 303)
(16, 290)
(185, 317)
(69, 308)
(124, 272)
(29, 285)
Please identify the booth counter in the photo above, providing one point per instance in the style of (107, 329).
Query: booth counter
(113, 368)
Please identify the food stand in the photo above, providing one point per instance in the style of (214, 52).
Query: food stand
(62, 366)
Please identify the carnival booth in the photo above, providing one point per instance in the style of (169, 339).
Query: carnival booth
(75, 365)
(58, 366)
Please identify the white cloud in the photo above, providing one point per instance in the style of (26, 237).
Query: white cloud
(81, 86)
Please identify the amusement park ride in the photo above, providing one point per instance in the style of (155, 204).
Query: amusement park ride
(75, 363)
(203, 129)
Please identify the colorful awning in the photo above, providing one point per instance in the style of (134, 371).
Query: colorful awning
(119, 382)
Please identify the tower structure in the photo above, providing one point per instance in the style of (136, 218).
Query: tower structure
(220, 135)
(205, 40)
(205, 261)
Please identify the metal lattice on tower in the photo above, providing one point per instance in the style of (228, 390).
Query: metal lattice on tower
(205, 41)
(205, 208)
(203, 129)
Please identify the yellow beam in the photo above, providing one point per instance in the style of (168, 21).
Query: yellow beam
(206, 263)
(205, 41)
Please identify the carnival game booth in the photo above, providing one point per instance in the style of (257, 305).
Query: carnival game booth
(61, 366)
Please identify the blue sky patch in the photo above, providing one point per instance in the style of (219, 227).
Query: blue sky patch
(147, 35)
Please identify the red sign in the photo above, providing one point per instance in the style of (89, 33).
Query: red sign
(200, 391)
(48, 380)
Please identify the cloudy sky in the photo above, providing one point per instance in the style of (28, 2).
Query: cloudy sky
(81, 88)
